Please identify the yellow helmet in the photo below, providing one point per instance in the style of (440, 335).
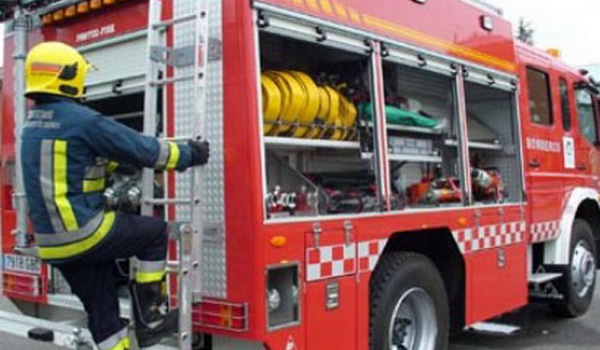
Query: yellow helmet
(55, 68)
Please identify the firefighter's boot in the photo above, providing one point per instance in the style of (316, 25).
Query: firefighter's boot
(151, 325)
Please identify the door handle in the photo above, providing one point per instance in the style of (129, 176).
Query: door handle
(534, 164)
(581, 167)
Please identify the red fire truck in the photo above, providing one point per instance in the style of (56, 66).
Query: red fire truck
(385, 172)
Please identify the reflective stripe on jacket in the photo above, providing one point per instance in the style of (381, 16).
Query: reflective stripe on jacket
(67, 150)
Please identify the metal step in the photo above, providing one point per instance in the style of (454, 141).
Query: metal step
(543, 277)
(64, 334)
(494, 328)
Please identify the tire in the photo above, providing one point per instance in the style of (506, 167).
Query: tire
(579, 281)
(406, 284)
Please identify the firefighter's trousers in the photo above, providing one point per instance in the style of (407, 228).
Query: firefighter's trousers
(94, 276)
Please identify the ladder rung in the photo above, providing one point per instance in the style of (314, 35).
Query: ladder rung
(173, 267)
(171, 201)
(174, 21)
(172, 80)
(179, 138)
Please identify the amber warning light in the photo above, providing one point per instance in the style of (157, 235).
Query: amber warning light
(77, 9)
(554, 52)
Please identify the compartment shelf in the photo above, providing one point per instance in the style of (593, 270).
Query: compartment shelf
(410, 129)
(407, 158)
(414, 158)
(290, 142)
(476, 145)
(414, 129)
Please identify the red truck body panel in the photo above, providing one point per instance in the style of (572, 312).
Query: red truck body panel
(450, 28)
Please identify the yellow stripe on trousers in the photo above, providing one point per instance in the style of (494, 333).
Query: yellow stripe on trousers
(61, 188)
(70, 250)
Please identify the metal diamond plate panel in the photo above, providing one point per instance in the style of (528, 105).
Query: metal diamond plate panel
(214, 278)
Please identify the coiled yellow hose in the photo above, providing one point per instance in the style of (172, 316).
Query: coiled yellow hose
(272, 103)
(311, 108)
(293, 105)
(293, 99)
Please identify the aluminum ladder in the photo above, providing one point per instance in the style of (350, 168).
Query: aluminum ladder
(176, 63)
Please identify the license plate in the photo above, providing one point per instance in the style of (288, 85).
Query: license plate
(21, 263)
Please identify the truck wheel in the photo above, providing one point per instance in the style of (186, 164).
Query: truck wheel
(409, 306)
(579, 281)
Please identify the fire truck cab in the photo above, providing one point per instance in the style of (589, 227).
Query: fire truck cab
(383, 174)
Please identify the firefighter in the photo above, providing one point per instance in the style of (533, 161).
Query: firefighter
(67, 150)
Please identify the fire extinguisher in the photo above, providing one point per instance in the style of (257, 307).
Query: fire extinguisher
(443, 191)
(487, 184)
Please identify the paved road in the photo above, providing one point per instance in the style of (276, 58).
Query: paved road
(540, 331)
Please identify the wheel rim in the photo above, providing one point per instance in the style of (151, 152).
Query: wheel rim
(583, 269)
(413, 325)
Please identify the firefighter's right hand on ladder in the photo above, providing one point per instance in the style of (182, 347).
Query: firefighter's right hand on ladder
(200, 152)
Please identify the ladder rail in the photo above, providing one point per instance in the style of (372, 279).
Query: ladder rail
(150, 101)
(202, 31)
(191, 238)
(21, 27)
(175, 78)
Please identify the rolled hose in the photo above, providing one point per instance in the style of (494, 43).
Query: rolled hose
(311, 108)
(331, 116)
(348, 113)
(293, 99)
(323, 117)
(272, 103)
(293, 105)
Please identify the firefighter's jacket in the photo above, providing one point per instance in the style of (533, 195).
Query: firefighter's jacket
(66, 151)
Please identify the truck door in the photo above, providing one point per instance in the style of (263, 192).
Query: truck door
(595, 160)
(331, 289)
(586, 139)
(545, 162)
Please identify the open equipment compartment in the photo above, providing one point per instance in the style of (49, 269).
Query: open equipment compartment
(493, 143)
(127, 109)
(434, 106)
(318, 155)
(421, 113)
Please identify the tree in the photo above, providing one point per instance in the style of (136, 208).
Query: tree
(526, 31)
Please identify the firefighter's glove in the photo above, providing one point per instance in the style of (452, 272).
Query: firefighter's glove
(200, 152)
